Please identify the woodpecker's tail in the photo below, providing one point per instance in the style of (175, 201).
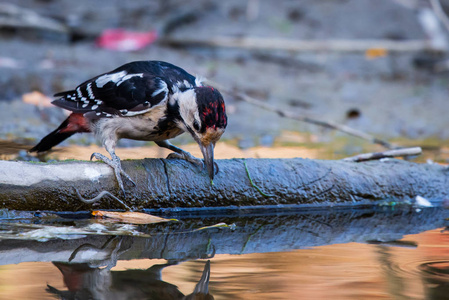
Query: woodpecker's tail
(73, 124)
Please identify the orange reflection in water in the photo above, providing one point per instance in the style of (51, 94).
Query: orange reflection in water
(341, 271)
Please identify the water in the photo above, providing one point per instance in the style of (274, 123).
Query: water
(372, 253)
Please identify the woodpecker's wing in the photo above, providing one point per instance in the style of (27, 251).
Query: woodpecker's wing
(117, 93)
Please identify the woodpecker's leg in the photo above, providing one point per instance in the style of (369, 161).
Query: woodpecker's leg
(113, 163)
(179, 153)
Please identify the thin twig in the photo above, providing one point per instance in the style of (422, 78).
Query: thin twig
(388, 153)
(20, 17)
(254, 43)
(98, 198)
(439, 11)
(430, 19)
(303, 118)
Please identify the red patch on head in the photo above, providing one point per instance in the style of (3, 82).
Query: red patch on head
(212, 108)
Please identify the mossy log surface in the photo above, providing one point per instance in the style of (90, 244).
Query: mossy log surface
(179, 184)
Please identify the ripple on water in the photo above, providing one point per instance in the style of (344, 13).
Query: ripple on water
(436, 270)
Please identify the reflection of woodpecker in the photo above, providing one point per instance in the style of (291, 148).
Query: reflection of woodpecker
(85, 282)
(145, 100)
(201, 291)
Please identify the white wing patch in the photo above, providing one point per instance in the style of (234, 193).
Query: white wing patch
(187, 84)
(134, 113)
(129, 76)
(89, 91)
(162, 88)
(114, 77)
(181, 85)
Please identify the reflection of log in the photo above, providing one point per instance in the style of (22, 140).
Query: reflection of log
(177, 183)
(280, 231)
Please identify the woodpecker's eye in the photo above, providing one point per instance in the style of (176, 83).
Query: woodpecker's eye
(196, 125)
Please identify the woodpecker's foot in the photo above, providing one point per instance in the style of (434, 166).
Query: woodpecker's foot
(116, 165)
(187, 156)
(192, 159)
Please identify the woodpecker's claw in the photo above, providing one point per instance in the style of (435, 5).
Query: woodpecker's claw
(192, 159)
(116, 165)
(188, 157)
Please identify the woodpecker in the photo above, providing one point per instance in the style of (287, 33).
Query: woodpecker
(143, 100)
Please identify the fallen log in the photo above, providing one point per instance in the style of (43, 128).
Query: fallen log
(162, 184)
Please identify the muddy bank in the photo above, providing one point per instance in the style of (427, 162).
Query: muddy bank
(251, 182)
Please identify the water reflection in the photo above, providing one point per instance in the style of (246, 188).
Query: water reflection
(436, 279)
(86, 282)
(333, 254)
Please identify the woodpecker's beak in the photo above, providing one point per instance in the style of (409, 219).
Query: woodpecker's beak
(208, 154)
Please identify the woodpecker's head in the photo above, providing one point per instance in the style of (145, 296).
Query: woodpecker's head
(202, 113)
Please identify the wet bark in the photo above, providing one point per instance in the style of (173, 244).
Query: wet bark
(251, 182)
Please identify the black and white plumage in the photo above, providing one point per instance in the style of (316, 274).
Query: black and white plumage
(143, 100)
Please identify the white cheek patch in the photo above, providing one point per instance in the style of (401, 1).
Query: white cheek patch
(188, 108)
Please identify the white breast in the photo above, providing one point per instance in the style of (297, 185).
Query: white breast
(140, 127)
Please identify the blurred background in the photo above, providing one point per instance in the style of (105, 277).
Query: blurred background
(377, 66)
(380, 67)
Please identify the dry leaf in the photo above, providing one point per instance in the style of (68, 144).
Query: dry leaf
(375, 53)
(37, 98)
(131, 217)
